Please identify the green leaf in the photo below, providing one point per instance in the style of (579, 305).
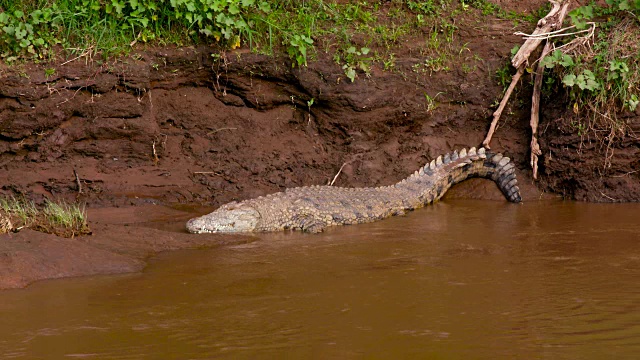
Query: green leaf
(624, 5)
(548, 62)
(265, 7)
(592, 85)
(569, 80)
(350, 72)
(633, 102)
(365, 50)
(566, 61)
(580, 81)
(586, 11)
(234, 9)
(20, 33)
(10, 30)
(247, 3)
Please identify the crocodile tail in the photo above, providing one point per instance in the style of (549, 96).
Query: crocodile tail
(455, 167)
(504, 175)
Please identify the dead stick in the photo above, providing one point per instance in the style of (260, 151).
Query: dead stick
(503, 103)
(537, 90)
(535, 111)
(155, 153)
(544, 25)
(336, 177)
(78, 181)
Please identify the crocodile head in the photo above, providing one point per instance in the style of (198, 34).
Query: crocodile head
(227, 219)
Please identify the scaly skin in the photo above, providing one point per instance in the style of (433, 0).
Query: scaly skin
(313, 208)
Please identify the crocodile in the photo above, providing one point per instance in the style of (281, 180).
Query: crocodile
(314, 208)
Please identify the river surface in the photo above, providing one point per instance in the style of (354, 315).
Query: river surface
(457, 280)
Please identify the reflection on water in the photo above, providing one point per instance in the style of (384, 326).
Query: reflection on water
(458, 280)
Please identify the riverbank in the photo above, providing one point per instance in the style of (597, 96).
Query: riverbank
(198, 126)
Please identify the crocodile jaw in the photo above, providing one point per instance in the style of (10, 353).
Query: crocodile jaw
(225, 220)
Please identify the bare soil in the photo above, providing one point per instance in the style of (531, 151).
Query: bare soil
(174, 126)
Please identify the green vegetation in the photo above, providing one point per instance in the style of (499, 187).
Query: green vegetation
(600, 67)
(43, 29)
(58, 218)
(35, 27)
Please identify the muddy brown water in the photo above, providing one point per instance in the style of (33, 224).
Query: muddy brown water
(457, 280)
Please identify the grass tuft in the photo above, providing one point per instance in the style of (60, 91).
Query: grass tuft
(58, 218)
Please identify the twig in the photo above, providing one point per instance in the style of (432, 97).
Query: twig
(86, 52)
(557, 33)
(206, 172)
(136, 39)
(155, 154)
(626, 174)
(608, 197)
(74, 95)
(336, 177)
(78, 181)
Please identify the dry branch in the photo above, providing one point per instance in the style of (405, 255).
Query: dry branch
(547, 27)
(503, 103)
(535, 111)
(537, 89)
(338, 174)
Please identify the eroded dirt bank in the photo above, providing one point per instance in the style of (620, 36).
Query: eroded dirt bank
(175, 126)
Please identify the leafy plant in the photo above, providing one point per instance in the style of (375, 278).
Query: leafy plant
(557, 58)
(355, 58)
(503, 75)
(24, 33)
(632, 102)
(228, 21)
(585, 81)
(601, 69)
(431, 101)
(429, 7)
(297, 49)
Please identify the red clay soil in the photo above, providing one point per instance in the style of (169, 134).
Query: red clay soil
(174, 126)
